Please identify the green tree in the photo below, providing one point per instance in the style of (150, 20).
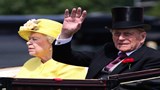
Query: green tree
(23, 7)
(154, 11)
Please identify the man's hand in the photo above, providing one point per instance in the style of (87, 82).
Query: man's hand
(72, 22)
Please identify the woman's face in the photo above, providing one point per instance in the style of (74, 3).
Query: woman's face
(129, 39)
(38, 45)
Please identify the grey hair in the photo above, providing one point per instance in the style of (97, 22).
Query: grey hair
(50, 39)
(140, 29)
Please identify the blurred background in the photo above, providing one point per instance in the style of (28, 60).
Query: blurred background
(93, 34)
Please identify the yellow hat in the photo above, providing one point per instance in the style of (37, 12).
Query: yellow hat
(44, 26)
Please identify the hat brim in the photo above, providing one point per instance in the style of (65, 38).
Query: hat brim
(126, 25)
(25, 34)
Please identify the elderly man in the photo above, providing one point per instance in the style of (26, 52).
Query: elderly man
(128, 34)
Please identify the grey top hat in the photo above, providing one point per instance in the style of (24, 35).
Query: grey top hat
(128, 17)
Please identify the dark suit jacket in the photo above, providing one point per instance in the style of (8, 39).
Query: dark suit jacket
(144, 58)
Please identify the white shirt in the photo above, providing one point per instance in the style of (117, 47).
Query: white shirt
(62, 41)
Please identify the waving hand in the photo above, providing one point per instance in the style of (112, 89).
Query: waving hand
(72, 22)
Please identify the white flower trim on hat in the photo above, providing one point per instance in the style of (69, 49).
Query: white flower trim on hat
(30, 25)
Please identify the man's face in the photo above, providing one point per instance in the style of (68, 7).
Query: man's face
(127, 40)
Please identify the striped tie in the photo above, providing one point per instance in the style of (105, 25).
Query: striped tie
(120, 57)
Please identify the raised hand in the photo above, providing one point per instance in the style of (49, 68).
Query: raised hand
(72, 22)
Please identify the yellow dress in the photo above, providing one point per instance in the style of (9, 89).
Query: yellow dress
(34, 68)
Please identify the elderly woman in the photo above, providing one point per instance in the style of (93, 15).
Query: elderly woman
(40, 35)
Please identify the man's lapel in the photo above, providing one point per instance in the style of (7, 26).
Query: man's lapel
(98, 65)
(137, 55)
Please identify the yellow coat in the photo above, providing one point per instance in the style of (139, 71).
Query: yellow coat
(34, 68)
